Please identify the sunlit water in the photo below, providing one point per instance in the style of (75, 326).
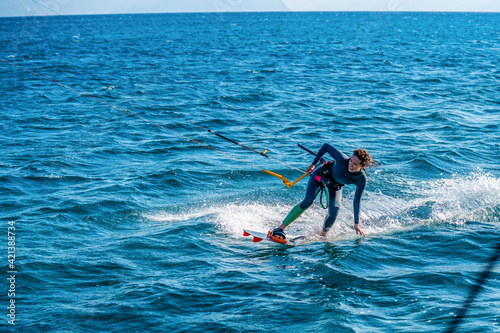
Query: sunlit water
(123, 225)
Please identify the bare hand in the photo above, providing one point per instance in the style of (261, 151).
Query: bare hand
(358, 230)
(310, 169)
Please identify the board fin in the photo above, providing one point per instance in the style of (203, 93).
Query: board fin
(245, 233)
(257, 239)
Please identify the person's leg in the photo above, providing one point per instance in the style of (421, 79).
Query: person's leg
(333, 209)
(313, 188)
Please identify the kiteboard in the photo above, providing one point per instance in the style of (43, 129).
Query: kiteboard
(260, 236)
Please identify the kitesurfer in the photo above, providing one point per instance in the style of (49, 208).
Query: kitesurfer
(334, 175)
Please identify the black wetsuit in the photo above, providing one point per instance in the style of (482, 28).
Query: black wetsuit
(340, 175)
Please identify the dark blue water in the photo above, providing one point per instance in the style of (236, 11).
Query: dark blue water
(121, 225)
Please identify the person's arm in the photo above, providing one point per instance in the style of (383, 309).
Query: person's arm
(332, 151)
(360, 186)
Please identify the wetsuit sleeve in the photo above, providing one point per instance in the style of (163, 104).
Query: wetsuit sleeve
(332, 151)
(360, 187)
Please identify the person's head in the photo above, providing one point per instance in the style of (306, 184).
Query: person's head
(359, 160)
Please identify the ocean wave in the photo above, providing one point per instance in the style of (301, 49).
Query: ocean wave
(453, 201)
(123, 225)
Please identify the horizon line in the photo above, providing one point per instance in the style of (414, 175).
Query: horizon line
(263, 11)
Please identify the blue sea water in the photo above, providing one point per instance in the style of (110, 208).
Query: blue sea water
(123, 225)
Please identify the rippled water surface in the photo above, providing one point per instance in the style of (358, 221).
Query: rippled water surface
(123, 223)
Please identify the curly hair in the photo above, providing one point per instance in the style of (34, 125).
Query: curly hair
(365, 158)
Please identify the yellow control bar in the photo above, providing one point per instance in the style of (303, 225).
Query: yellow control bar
(285, 181)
